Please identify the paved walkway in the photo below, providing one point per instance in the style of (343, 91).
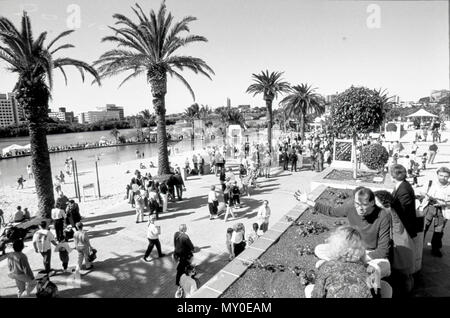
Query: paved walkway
(120, 272)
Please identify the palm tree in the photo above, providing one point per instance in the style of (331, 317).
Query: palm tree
(34, 63)
(269, 85)
(149, 117)
(148, 48)
(191, 114)
(232, 116)
(301, 101)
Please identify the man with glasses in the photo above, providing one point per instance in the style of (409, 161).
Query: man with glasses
(372, 222)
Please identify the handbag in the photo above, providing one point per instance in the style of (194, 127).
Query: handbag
(92, 255)
(180, 293)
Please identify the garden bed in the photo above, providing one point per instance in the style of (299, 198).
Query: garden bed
(277, 276)
(363, 176)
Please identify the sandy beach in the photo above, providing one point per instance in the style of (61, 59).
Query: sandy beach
(113, 179)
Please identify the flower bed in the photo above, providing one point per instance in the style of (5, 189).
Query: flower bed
(363, 176)
(279, 272)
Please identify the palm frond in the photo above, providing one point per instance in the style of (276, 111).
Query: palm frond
(65, 33)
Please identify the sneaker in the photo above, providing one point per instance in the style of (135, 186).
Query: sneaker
(145, 259)
(162, 255)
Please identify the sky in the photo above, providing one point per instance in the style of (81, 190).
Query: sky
(400, 46)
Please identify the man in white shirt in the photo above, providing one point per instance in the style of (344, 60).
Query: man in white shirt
(263, 216)
(213, 203)
(42, 239)
(153, 232)
(58, 217)
(439, 209)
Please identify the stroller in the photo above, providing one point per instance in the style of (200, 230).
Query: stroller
(10, 234)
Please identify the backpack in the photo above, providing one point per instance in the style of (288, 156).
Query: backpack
(45, 288)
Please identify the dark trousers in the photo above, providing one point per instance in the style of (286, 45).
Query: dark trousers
(213, 208)
(64, 257)
(434, 217)
(47, 256)
(59, 228)
(180, 192)
(196, 166)
(294, 166)
(183, 263)
(236, 199)
(238, 248)
(201, 170)
(152, 243)
(285, 165)
(223, 185)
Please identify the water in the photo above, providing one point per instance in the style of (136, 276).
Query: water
(11, 169)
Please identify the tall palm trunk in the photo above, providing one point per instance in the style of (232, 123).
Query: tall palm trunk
(302, 125)
(158, 80)
(269, 123)
(40, 161)
(33, 97)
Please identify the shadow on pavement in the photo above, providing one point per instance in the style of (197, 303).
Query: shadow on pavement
(105, 232)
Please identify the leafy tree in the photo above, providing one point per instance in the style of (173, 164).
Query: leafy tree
(150, 118)
(148, 47)
(34, 63)
(300, 101)
(270, 85)
(358, 110)
(115, 133)
(232, 116)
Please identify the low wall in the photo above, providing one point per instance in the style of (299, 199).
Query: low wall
(220, 282)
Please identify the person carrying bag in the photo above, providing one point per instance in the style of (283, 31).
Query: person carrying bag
(83, 247)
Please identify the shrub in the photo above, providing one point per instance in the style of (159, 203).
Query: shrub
(391, 127)
(374, 156)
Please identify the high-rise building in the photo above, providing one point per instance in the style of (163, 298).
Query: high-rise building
(113, 107)
(62, 115)
(10, 111)
(94, 116)
(228, 102)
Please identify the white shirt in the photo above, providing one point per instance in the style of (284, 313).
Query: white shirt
(212, 196)
(152, 231)
(188, 284)
(58, 214)
(237, 237)
(43, 239)
(264, 213)
(440, 192)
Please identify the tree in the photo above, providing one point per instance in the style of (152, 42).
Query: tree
(149, 47)
(358, 110)
(150, 118)
(301, 101)
(232, 116)
(115, 133)
(34, 63)
(281, 118)
(269, 85)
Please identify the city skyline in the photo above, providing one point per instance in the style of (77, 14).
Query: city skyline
(398, 46)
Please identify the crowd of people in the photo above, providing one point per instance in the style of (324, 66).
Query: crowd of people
(386, 227)
(375, 255)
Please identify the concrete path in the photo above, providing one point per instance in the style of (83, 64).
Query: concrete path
(119, 270)
(121, 243)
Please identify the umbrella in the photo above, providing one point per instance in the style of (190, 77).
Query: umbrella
(422, 113)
